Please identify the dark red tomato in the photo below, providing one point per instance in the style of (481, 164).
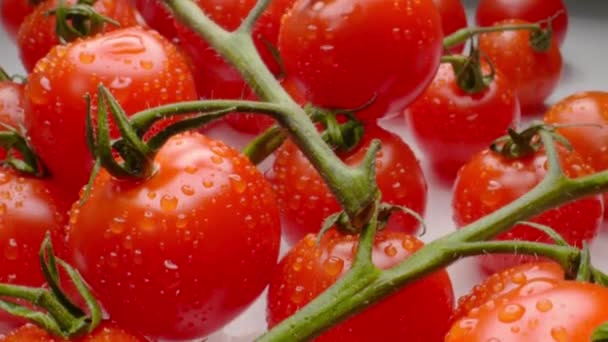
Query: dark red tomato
(11, 107)
(453, 18)
(214, 77)
(418, 312)
(591, 142)
(491, 11)
(499, 284)
(348, 52)
(157, 15)
(534, 75)
(191, 247)
(141, 69)
(37, 33)
(12, 14)
(490, 181)
(542, 310)
(29, 207)
(104, 333)
(305, 200)
(451, 125)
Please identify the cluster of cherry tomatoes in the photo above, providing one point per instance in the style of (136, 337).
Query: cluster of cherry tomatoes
(181, 253)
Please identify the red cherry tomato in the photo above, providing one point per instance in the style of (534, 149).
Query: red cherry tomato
(541, 310)
(37, 34)
(11, 107)
(157, 15)
(349, 52)
(141, 69)
(490, 181)
(418, 312)
(499, 284)
(214, 77)
(451, 125)
(534, 75)
(453, 18)
(105, 332)
(588, 110)
(191, 247)
(490, 11)
(305, 200)
(12, 14)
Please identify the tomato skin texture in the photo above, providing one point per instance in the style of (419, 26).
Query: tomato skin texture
(451, 125)
(490, 181)
(37, 33)
(347, 53)
(534, 75)
(104, 333)
(542, 310)
(11, 107)
(12, 14)
(490, 11)
(214, 77)
(305, 200)
(199, 239)
(157, 16)
(141, 69)
(453, 18)
(499, 284)
(419, 312)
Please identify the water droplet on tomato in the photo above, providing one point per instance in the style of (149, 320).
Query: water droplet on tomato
(333, 266)
(170, 265)
(297, 264)
(151, 195)
(191, 169)
(120, 82)
(11, 251)
(113, 259)
(237, 183)
(168, 202)
(117, 225)
(298, 294)
(559, 334)
(217, 159)
(86, 58)
(511, 313)
(147, 65)
(138, 257)
(181, 222)
(390, 250)
(519, 278)
(45, 83)
(207, 184)
(544, 305)
(187, 190)
(124, 44)
(4, 178)
(2, 208)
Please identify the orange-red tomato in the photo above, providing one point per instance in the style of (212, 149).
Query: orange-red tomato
(106, 332)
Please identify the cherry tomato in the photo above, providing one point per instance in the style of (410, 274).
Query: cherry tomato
(589, 110)
(37, 33)
(499, 284)
(453, 18)
(191, 247)
(12, 14)
(214, 77)
(490, 11)
(490, 181)
(11, 107)
(418, 312)
(105, 332)
(157, 15)
(451, 125)
(542, 310)
(349, 52)
(534, 75)
(141, 69)
(305, 200)
(29, 207)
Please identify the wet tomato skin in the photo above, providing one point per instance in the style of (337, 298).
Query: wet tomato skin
(542, 310)
(104, 333)
(11, 107)
(199, 239)
(418, 312)
(453, 18)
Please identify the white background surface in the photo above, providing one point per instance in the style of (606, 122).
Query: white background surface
(585, 54)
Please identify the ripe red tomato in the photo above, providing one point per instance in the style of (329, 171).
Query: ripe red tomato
(490, 11)
(141, 69)
(37, 33)
(490, 181)
(453, 18)
(214, 77)
(585, 109)
(11, 107)
(157, 15)
(534, 75)
(29, 207)
(451, 125)
(348, 52)
(499, 284)
(104, 333)
(192, 246)
(12, 14)
(418, 312)
(542, 310)
(305, 200)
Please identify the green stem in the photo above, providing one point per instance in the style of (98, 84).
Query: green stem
(4, 77)
(353, 187)
(264, 144)
(247, 24)
(462, 35)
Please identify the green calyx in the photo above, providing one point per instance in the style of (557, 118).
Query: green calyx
(20, 155)
(78, 20)
(527, 142)
(469, 73)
